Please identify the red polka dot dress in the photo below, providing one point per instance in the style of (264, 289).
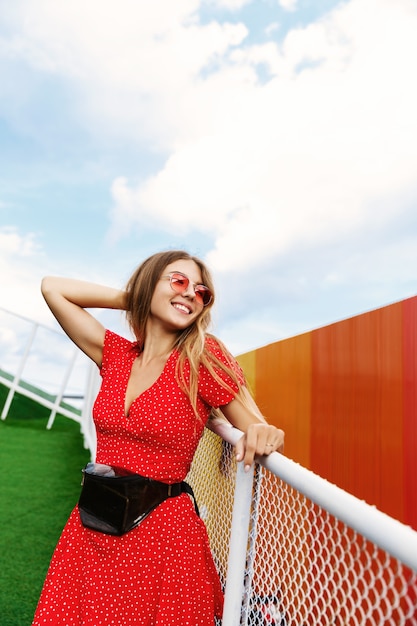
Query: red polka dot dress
(161, 573)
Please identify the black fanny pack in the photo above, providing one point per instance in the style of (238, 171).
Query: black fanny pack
(114, 501)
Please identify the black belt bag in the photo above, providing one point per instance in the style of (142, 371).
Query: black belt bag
(116, 504)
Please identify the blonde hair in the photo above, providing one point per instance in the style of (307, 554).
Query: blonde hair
(191, 342)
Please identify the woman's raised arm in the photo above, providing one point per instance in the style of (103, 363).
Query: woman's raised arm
(68, 298)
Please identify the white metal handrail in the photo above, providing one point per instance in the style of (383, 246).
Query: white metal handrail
(386, 532)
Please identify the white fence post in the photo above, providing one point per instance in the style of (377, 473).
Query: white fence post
(14, 385)
(238, 546)
(60, 395)
(87, 425)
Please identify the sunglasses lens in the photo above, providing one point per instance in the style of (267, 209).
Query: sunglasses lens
(179, 282)
(203, 295)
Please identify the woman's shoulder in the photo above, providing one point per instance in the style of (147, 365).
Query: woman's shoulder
(214, 346)
(220, 375)
(116, 347)
(219, 356)
(113, 338)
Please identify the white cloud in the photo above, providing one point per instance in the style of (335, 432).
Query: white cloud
(133, 69)
(230, 5)
(12, 243)
(21, 263)
(307, 155)
(272, 28)
(288, 5)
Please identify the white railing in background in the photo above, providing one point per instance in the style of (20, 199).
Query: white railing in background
(286, 541)
(42, 369)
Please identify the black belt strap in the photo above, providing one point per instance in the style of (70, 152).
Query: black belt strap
(177, 488)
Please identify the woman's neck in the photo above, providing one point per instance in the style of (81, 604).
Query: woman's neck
(157, 347)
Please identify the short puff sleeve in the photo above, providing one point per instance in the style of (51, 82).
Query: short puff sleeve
(115, 348)
(221, 388)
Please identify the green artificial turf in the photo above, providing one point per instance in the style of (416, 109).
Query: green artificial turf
(40, 475)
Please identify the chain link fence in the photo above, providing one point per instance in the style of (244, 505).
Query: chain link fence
(302, 566)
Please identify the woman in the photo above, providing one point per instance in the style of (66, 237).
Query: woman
(156, 396)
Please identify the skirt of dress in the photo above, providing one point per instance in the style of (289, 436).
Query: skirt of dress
(161, 573)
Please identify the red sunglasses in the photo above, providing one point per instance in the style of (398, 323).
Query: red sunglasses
(179, 283)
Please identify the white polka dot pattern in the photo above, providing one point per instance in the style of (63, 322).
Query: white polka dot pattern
(162, 572)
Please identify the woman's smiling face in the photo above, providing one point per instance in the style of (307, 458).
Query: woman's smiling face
(177, 310)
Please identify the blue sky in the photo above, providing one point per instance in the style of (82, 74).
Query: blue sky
(275, 139)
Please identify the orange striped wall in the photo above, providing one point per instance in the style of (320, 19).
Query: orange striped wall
(346, 396)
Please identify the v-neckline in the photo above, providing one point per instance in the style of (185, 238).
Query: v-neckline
(136, 398)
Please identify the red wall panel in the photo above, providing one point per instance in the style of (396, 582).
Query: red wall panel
(357, 407)
(346, 395)
(283, 391)
(410, 411)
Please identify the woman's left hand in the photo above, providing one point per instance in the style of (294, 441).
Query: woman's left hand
(259, 439)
